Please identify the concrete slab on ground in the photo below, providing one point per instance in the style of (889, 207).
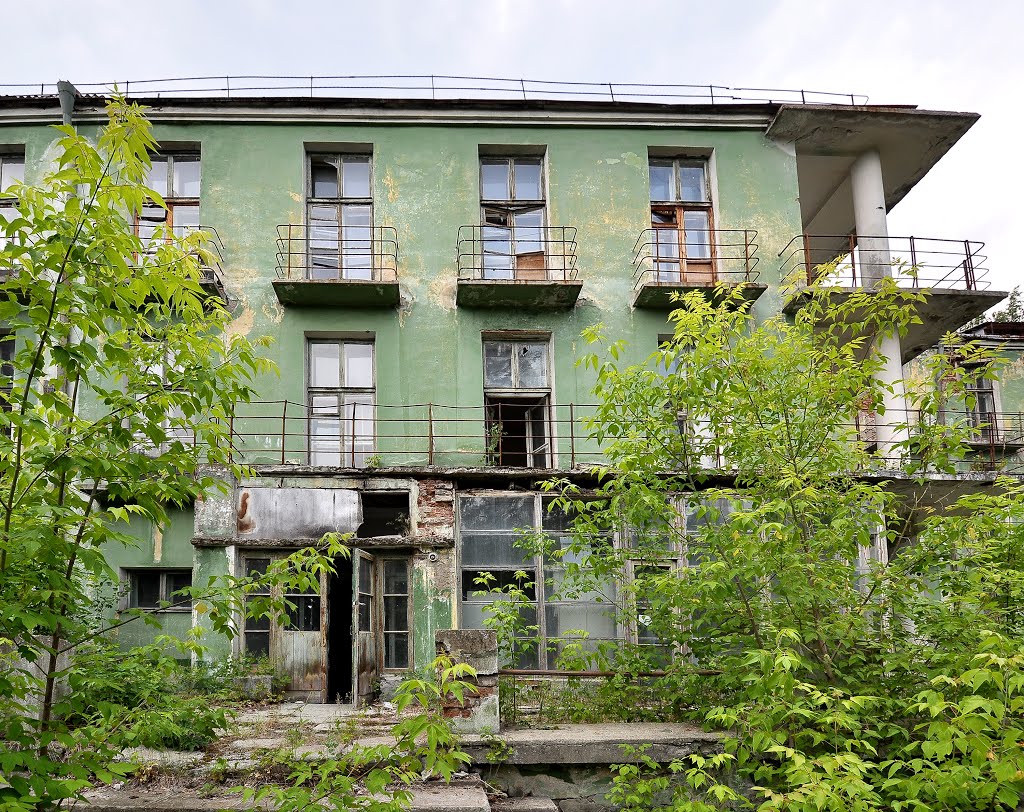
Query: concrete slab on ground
(594, 743)
(524, 805)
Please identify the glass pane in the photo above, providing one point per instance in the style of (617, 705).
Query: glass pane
(662, 181)
(692, 183)
(177, 581)
(498, 364)
(396, 651)
(497, 252)
(146, 590)
(396, 614)
(257, 644)
(305, 616)
(497, 584)
(494, 180)
(11, 170)
(533, 365)
(325, 431)
(365, 575)
(396, 577)
(529, 232)
(357, 428)
(494, 549)
(594, 618)
(527, 180)
(324, 365)
(495, 512)
(186, 177)
(364, 614)
(156, 178)
(357, 245)
(698, 240)
(256, 567)
(185, 219)
(324, 177)
(323, 242)
(663, 217)
(356, 177)
(359, 366)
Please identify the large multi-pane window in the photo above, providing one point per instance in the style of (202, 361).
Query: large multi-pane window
(513, 215)
(682, 221)
(517, 396)
(339, 217)
(341, 402)
(489, 528)
(176, 178)
(981, 410)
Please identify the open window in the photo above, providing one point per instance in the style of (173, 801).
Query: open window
(513, 218)
(682, 222)
(517, 402)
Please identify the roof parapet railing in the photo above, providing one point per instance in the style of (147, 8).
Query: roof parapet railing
(441, 86)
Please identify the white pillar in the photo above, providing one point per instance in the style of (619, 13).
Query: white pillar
(873, 264)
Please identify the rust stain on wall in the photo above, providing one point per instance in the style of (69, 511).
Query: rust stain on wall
(244, 522)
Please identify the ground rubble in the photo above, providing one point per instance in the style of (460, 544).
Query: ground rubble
(533, 764)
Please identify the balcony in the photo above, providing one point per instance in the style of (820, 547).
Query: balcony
(951, 271)
(210, 267)
(344, 266)
(670, 263)
(531, 268)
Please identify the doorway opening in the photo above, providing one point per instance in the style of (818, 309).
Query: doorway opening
(339, 633)
(517, 431)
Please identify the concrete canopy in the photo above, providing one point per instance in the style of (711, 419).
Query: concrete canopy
(827, 138)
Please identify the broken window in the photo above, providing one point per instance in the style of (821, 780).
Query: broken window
(513, 214)
(517, 396)
(159, 589)
(340, 397)
(682, 222)
(489, 527)
(339, 217)
(176, 178)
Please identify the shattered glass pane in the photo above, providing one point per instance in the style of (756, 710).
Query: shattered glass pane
(533, 365)
(498, 365)
(324, 177)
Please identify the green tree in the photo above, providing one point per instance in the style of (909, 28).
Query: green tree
(865, 626)
(122, 383)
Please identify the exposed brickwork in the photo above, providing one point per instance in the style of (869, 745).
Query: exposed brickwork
(436, 508)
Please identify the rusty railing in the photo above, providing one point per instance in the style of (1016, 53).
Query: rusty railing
(726, 256)
(337, 252)
(522, 254)
(853, 261)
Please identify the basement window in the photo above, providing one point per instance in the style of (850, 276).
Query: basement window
(159, 589)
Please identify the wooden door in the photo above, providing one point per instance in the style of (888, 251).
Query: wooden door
(365, 665)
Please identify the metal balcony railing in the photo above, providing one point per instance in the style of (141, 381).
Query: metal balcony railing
(717, 255)
(853, 261)
(439, 86)
(362, 435)
(339, 253)
(527, 254)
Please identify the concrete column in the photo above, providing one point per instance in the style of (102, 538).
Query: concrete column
(873, 264)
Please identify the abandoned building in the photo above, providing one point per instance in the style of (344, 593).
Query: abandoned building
(427, 267)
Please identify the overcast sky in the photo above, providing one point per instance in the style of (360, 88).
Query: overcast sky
(938, 54)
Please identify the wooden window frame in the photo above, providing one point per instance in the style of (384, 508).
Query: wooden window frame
(172, 201)
(697, 271)
(163, 588)
(525, 266)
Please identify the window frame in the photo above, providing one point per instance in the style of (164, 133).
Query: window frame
(347, 457)
(165, 218)
(538, 451)
(340, 204)
(535, 263)
(164, 574)
(407, 632)
(698, 269)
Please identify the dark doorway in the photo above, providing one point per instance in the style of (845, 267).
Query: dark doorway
(517, 431)
(339, 633)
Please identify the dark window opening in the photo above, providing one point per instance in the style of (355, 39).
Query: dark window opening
(384, 514)
(517, 431)
(159, 589)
